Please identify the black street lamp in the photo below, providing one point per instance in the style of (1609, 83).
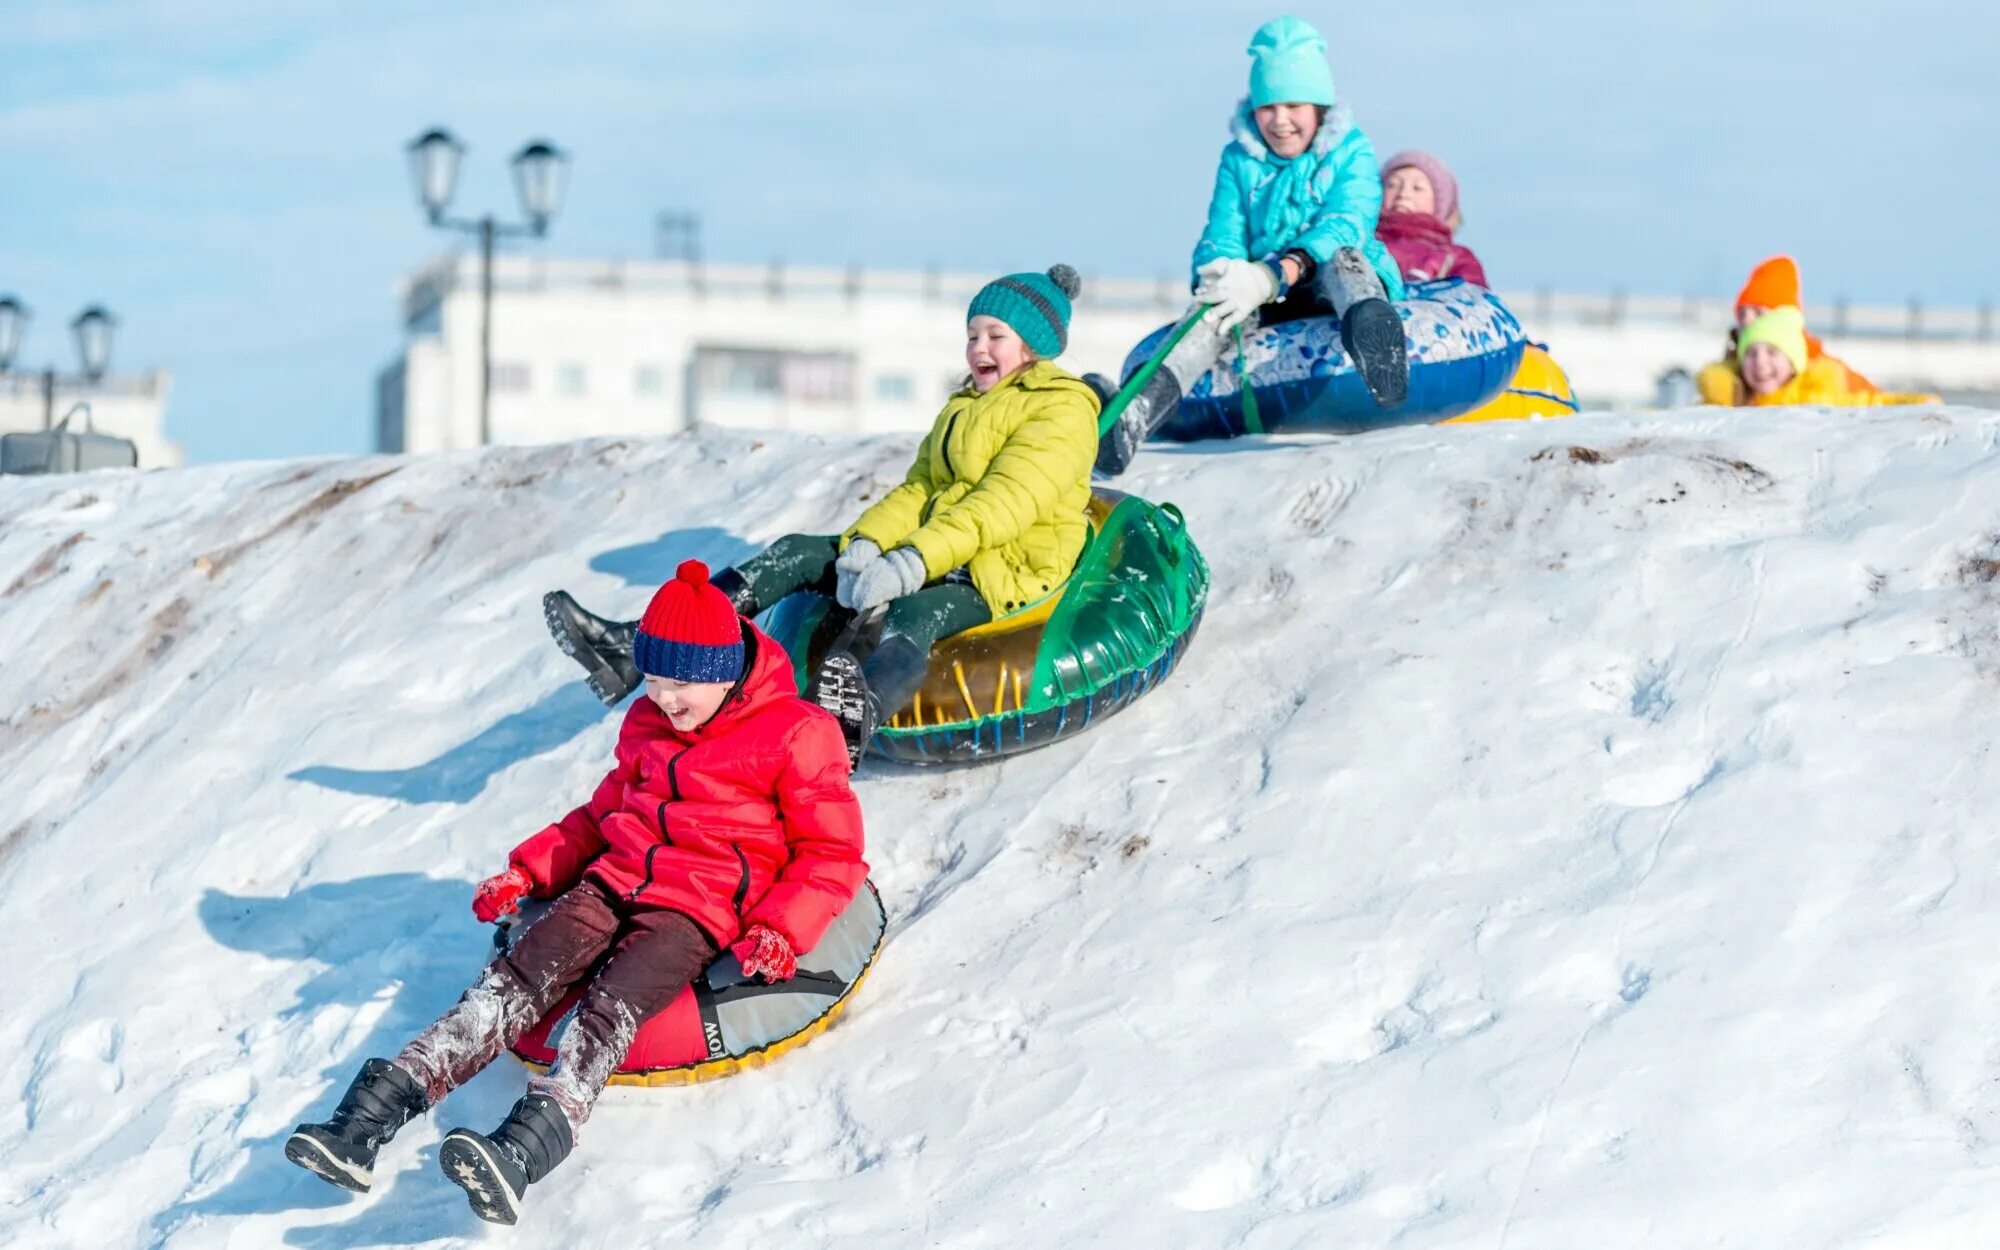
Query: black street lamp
(540, 170)
(92, 328)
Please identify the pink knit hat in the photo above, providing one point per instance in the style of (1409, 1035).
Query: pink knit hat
(1442, 182)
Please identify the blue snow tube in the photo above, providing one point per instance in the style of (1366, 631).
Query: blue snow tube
(1464, 346)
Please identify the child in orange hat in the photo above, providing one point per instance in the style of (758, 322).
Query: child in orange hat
(1774, 367)
(1773, 284)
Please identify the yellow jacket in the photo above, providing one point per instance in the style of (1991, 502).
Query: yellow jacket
(1717, 381)
(1828, 382)
(1000, 485)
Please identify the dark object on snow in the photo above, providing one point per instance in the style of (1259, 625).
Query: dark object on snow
(496, 1169)
(63, 450)
(382, 1099)
(604, 648)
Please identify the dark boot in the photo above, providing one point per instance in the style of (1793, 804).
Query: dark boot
(840, 688)
(604, 648)
(1372, 333)
(496, 1169)
(737, 587)
(1147, 412)
(1104, 388)
(382, 1099)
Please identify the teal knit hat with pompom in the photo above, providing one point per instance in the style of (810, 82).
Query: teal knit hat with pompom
(1035, 306)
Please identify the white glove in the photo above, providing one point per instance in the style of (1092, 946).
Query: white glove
(1234, 289)
(858, 555)
(899, 573)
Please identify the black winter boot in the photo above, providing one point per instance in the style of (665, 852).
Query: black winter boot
(840, 688)
(737, 587)
(1372, 333)
(1147, 412)
(1104, 388)
(604, 648)
(497, 1168)
(382, 1099)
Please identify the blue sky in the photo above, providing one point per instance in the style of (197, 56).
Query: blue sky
(227, 175)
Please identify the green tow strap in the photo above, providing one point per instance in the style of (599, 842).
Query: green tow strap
(1130, 391)
(1252, 423)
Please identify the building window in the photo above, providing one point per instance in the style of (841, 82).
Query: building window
(569, 380)
(650, 380)
(511, 379)
(895, 388)
(750, 372)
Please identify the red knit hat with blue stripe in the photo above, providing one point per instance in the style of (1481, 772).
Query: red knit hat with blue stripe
(690, 631)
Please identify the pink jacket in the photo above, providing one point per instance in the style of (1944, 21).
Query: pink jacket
(1424, 249)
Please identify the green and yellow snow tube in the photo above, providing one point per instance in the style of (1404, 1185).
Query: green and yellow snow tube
(1105, 638)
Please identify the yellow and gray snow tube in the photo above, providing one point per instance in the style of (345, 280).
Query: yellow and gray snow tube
(726, 1022)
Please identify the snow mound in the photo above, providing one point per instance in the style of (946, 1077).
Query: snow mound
(1563, 835)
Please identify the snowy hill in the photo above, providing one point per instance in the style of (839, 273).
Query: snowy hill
(1568, 835)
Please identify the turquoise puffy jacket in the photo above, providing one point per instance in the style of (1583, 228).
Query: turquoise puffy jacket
(1326, 198)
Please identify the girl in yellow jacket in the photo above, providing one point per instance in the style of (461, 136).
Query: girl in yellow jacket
(1777, 369)
(989, 520)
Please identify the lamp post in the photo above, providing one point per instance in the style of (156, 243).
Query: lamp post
(92, 330)
(540, 169)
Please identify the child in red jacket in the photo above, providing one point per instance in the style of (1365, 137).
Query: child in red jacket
(726, 821)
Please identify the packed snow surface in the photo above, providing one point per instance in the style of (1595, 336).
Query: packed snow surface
(1577, 834)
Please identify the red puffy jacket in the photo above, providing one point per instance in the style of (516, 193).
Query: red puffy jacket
(745, 820)
(1424, 249)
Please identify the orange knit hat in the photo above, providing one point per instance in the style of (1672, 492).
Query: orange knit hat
(1774, 283)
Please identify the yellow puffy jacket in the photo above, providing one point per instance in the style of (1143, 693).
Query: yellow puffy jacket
(1717, 381)
(1829, 382)
(1000, 486)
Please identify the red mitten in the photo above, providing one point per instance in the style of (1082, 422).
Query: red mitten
(765, 952)
(500, 896)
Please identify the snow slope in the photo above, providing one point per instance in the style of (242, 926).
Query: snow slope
(1562, 835)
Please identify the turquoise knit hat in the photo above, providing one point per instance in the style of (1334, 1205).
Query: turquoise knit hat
(1288, 64)
(1035, 306)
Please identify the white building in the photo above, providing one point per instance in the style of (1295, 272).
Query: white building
(593, 347)
(585, 348)
(128, 405)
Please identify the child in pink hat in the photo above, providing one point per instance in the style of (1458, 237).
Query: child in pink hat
(1419, 216)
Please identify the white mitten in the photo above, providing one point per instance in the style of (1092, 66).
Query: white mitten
(1234, 289)
(899, 573)
(859, 554)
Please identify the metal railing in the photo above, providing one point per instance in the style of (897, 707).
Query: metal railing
(1839, 319)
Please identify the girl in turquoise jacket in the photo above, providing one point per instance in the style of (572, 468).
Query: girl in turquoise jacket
(1291, 233)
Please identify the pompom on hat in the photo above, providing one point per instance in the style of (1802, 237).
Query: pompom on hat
(1035, 306)
(690, 632)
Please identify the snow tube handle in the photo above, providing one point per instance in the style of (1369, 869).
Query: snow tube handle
(1174, 530)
